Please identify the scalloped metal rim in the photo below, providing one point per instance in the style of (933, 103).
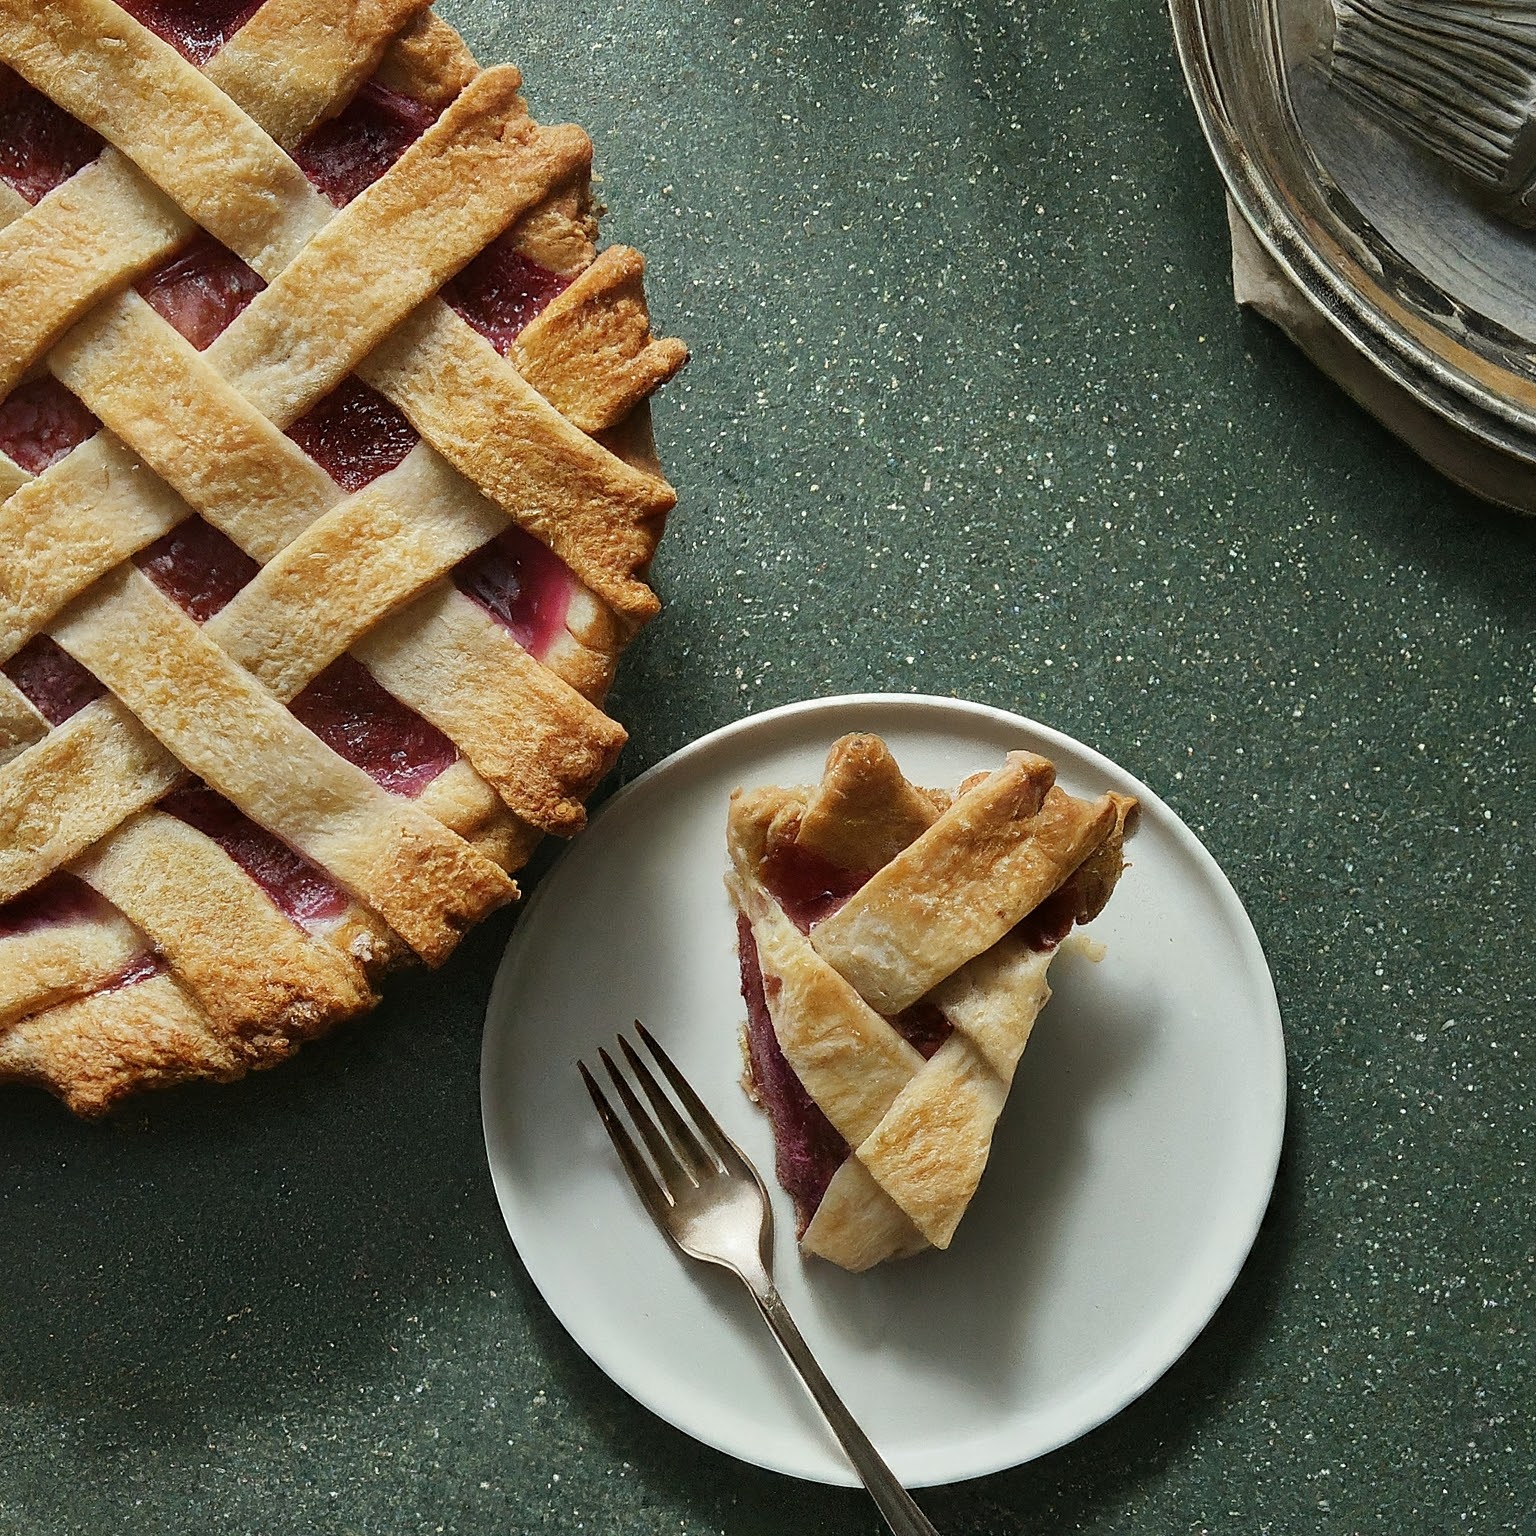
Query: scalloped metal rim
(1428, 378)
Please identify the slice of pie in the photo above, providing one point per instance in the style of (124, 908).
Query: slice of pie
(894, 944)
(327, 498)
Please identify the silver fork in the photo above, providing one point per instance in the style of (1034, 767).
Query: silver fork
(708, 1199)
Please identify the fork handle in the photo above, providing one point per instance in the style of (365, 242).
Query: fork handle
(893, 1501)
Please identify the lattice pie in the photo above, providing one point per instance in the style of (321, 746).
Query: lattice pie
(894, 944)
(328, 504)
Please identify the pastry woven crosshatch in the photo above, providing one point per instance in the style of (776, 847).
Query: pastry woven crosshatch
(894, 943)
(329, 502)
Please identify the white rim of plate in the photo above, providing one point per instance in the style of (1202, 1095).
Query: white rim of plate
(821, 1460)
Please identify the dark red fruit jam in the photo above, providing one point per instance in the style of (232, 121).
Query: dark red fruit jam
(200, 291)
(350, 151)
(500, 291)
(140, 968)
(354, 434)
(40, 421)
(924, 1027)
(197, 567)
(523, 584)
(61, 898)
(1050, 922)
(196, 29)
(57, 685)
(808, 887)
(303, 892)
(360, 721)
(58, 899)
(41, 146)
(808, 1149)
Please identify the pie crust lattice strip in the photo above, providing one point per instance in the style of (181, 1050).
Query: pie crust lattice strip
(328, 503)
(894, 944)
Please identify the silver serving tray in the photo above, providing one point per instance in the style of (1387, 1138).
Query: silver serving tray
(1407, 270)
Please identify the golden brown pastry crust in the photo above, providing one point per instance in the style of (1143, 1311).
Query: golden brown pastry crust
(366, 573)
(998, 851)
(937, 922)
(66, 959)
(863, 812)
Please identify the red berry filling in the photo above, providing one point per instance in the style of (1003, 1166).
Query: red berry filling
(202, 290)
(924, 1026)
(197, 568)
(807, 887)
(360, 721)
(301, 890)
(61, 898)
(523, 585)
(1051, 921)
(140, 968)
(40, 421)
(41, 145)
(807, 1147)
(354, 434)
(349, 152)
(500, 291)
(195, 30)
(57, 685)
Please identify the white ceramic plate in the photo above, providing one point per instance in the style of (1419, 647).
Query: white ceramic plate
(1129, 1174)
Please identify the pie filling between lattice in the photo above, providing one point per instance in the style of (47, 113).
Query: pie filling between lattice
(894, 943)
(328, 502)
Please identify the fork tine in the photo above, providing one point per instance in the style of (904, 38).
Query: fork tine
(673, 1174)
(684, 1139)
(655, 1199)
(713, 1223)
(724, 1149)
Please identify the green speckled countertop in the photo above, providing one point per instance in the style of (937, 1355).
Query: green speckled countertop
(970, 411)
